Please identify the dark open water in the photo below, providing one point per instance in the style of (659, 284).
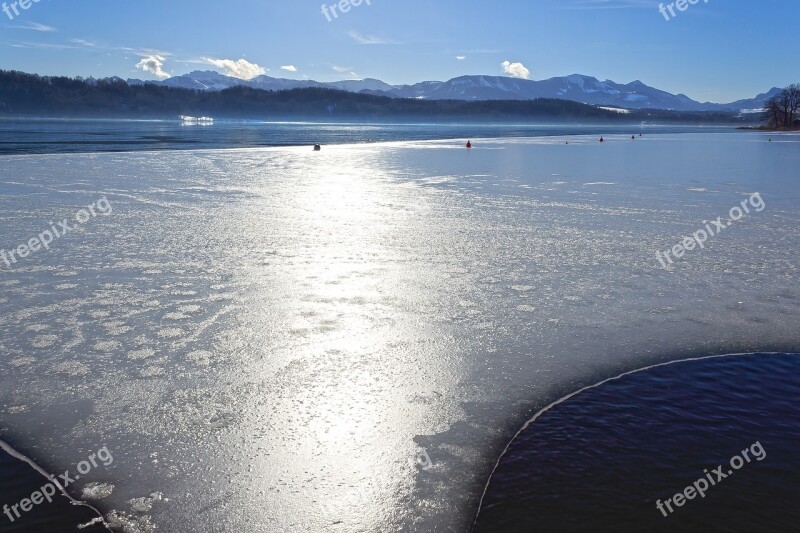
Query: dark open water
(18, 481)
(601, 460)
(52, 136)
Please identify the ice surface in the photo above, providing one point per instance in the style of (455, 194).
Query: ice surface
(270, 338)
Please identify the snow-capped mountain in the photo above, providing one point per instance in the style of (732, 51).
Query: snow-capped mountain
(268, 83)
(206, 80)
(759, 102)
(577, 87)
(356, 86)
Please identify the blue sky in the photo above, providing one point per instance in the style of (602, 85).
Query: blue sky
(719, 50)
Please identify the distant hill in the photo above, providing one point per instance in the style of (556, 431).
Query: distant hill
(33, 95)
(578, 88)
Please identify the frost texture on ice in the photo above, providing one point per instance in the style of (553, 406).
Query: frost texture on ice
(270, 338)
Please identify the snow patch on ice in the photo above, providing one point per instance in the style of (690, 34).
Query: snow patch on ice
(72, 368)
(106, 346)
(143, 505)
(44, 341)
(144, 353)
(522, 288)
(128, 523)
(170, 333)
(97, 491)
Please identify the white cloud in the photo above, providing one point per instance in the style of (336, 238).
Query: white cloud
(461, 58)
(242, 69)
(289, 68)
(35, 26)
(84, 42)
(517, 70)
(44, 46)
(153, 64)
(368, 39)
(347, 70)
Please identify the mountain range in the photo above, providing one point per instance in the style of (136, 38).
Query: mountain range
(577, 87)
(29, 95)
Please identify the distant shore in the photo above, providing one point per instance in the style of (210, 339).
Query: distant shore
(768, 129)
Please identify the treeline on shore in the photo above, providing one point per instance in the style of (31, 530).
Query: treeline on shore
(23, 94)
(783, 111)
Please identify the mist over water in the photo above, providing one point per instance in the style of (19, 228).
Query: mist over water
(269, 337)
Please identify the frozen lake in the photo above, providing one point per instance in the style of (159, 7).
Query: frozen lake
(269, 339)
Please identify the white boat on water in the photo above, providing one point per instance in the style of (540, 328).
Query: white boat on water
(203, 121)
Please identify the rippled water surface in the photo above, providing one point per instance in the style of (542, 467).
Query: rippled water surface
(604, 460)
(269, 339)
